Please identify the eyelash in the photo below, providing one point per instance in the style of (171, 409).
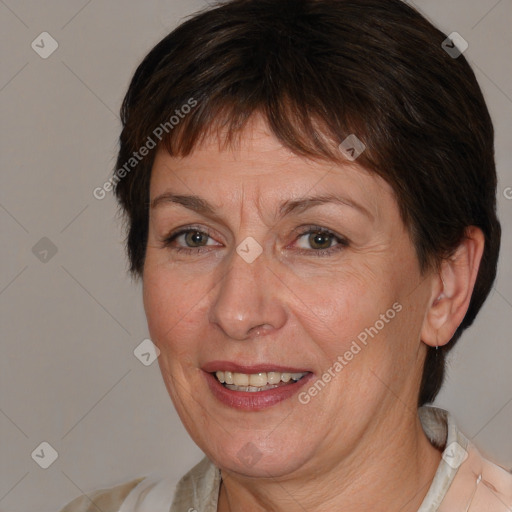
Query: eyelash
(342, 242)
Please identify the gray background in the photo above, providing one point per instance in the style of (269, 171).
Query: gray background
(68, 375)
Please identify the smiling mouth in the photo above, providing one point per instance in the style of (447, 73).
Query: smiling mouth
(255, 382)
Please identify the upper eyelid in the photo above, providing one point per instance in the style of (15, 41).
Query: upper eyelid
(171, 237)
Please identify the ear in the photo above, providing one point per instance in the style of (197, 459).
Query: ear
(452, 290)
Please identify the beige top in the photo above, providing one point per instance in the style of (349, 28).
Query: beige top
(464, 481)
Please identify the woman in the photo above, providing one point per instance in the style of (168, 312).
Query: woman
(310, 195)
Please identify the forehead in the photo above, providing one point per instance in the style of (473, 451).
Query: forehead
(258, 166)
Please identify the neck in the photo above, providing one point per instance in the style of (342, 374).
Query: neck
(390, 473)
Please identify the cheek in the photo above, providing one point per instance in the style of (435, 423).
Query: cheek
(156, 304)
(361, 327)
(341, 306)
(173, 305)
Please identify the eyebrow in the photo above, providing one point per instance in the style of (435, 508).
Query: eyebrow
(200, 205)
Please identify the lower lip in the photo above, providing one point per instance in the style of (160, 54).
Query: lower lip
(257, 400)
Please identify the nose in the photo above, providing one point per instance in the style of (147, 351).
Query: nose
(248, 302)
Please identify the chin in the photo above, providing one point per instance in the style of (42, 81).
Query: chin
(247, 455)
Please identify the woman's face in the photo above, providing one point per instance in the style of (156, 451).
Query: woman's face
(259, 291)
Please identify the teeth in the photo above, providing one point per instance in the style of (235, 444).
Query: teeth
(273, 377)
(251, 389)
(240, 379)
(257, 381)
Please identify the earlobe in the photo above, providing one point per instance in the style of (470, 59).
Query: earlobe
(452, 290)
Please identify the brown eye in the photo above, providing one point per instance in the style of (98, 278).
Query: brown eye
(319, 242)
(189, 240)
(195, 237)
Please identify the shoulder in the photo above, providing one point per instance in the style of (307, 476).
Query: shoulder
(493, 483)
(106, 500)
(196, 489)
(465, 479)
(471, 481)
(479, 485)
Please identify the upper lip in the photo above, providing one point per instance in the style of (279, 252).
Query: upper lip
(230, 366)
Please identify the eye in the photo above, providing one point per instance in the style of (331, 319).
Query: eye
(194, 238)
(321, 239)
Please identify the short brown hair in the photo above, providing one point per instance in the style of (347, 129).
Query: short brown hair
(318, 71)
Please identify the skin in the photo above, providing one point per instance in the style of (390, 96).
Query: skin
(358, 444)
